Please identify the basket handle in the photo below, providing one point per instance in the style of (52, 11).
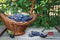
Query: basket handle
(32, 6)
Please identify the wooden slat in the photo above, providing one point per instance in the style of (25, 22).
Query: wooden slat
(58, 28)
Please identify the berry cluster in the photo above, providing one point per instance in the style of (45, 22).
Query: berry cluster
(35, 33)
(20, 17)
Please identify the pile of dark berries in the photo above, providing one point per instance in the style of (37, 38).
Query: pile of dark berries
(20, 17)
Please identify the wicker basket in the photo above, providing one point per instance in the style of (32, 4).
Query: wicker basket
(18, 28)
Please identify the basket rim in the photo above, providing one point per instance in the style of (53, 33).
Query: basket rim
(21, 23)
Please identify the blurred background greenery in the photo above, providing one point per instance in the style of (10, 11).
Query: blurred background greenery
(48, 11)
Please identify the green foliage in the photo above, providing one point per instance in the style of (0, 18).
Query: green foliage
(41, 8)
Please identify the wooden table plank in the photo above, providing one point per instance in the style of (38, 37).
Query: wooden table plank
(58, 28)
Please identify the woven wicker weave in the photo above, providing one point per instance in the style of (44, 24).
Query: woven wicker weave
(18, 28)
